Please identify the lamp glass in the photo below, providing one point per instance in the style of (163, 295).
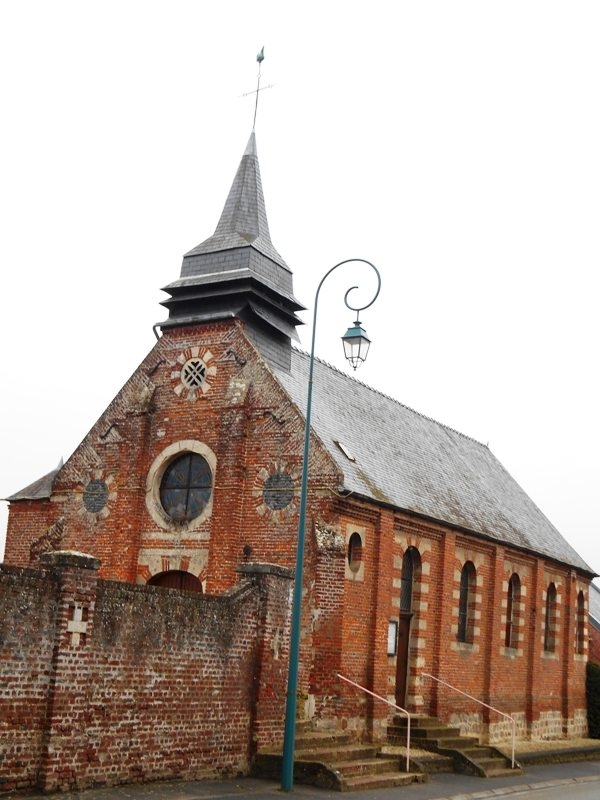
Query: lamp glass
(356, 344)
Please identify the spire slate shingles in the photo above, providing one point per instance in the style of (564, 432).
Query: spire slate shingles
(243, 222)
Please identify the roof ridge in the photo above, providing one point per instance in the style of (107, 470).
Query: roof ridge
(389, 397)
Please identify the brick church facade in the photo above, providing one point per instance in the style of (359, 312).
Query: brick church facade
(428, 570)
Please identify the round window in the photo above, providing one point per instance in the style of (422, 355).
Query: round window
(278, 491)
(186, 487)
(95, 495)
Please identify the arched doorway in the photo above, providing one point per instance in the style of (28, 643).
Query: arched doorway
(411, 574)
(177, 579)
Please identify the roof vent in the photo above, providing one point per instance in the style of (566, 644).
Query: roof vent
(345, 450)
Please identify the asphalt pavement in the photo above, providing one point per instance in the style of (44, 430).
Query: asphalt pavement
(439, 787)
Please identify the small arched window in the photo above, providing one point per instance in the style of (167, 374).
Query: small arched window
(466, 603)
(580, 630)
(513, 598)
(354, 551)
(550, 627)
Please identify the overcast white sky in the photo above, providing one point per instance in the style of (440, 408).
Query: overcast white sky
(454, 144)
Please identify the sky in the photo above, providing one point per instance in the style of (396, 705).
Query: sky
(452, 144)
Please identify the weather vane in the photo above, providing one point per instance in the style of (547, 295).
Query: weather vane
(260, 58)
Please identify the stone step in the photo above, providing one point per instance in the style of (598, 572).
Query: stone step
(373, 766)
(456, 743)
(490, 764)
(501, 772)
(312, 739)
(460, 753)
(334, 753)
(385, 780)
(416, 720)
(434, 733)
(434, 763)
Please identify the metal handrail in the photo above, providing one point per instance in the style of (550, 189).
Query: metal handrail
(481, 703)
(389, 703)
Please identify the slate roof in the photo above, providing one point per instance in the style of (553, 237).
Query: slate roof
(38, 490)
(411, 462)
(594, 611)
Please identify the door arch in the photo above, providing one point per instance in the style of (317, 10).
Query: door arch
(177, 579)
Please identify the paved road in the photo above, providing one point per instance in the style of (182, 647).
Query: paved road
(579, 780)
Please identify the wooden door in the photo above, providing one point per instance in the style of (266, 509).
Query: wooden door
(177, 579)
(402, 657)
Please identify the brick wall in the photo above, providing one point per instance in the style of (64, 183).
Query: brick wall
(105, 682)
(594, 644)
(28, 611)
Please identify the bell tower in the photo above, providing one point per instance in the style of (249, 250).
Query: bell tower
(237, 272)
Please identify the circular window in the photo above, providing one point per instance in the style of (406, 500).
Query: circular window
(193, 373)
(186, 487)
(95, 495)
(278, 490)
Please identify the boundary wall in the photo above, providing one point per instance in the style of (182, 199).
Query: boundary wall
(104, 683)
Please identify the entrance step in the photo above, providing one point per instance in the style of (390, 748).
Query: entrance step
(464, 752)
(334, 761)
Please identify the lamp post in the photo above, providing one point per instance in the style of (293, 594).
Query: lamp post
(356, 346)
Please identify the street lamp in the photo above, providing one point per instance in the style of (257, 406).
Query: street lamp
(356, 345)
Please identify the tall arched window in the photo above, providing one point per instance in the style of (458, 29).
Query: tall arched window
(580, 630)
(513, 598)
(550, 629)
(466, 603)
(411, 567)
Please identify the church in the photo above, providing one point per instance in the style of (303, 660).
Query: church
(430, 577)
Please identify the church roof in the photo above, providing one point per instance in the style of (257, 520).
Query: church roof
(391, 454)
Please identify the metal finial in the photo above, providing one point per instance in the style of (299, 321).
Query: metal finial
(260, 58)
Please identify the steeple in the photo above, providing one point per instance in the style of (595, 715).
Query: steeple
(238, 273)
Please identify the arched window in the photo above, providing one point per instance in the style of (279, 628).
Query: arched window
(411, 567)
(513, 598)
(466, 603)
(354, 551)
(580, 630)
(550, 629)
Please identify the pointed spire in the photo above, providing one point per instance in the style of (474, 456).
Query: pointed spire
(243, 221)
(237, 272)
